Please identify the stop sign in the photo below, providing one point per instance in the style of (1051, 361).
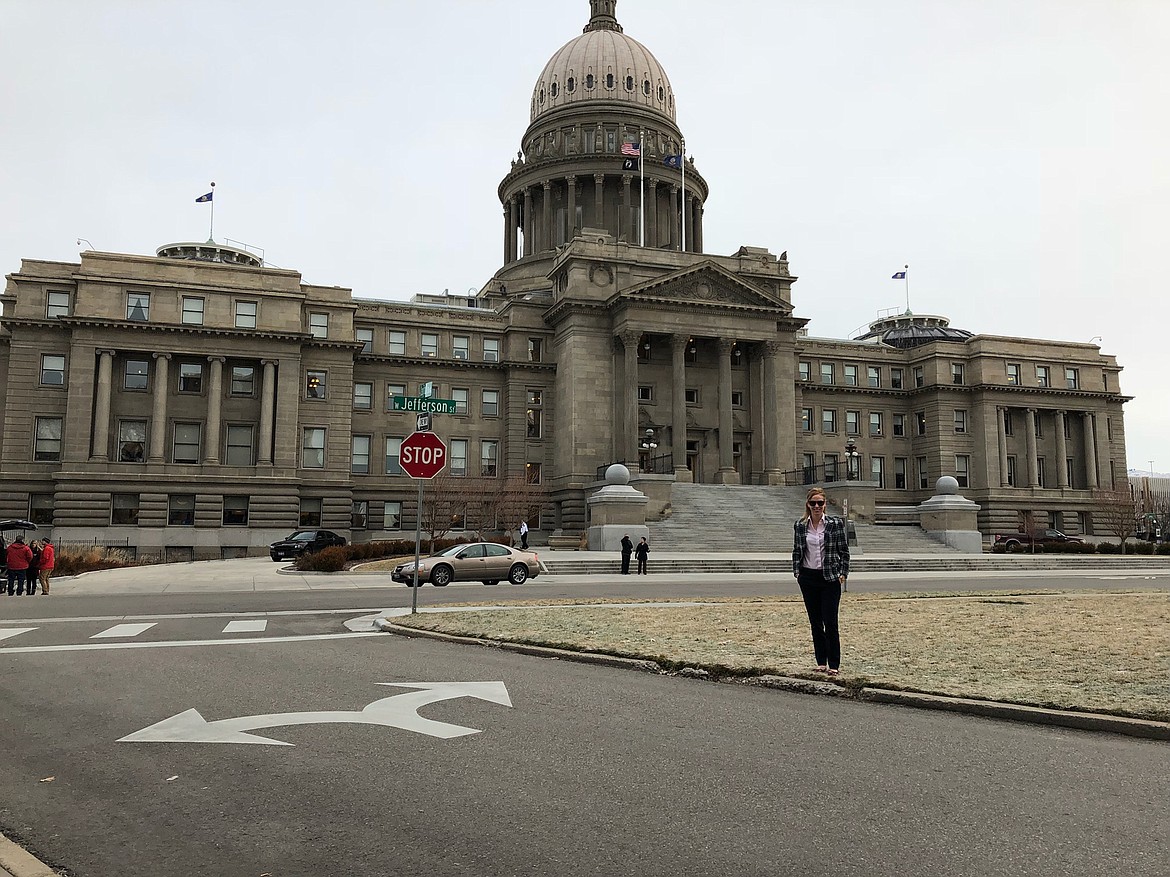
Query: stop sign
(423, 455)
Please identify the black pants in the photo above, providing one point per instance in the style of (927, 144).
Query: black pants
(642, 565)
(625, 563)
(16, 578)
(822, 600)
(524, 541)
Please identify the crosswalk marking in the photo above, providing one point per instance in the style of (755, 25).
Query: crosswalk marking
(123, 630)
(237, 626)
(9, 632)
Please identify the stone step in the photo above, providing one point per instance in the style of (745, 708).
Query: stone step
(604, 563)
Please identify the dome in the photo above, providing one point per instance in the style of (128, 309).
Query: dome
(603, 64)
(909, 330)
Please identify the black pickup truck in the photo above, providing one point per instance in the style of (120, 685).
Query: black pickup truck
(1024, 540)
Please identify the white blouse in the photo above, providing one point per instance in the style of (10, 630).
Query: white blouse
(814, 546)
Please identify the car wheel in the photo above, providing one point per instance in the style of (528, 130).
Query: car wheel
(491, 581)
(1013, 547)
(441, 576)
(518, 575)
(278, 557)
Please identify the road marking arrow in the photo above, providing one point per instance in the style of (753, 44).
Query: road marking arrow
(396, 711)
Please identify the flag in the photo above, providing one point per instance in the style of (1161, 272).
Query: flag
(630, 164)
(674, 161)
(901, 275)
(203, 198)
(631, 149)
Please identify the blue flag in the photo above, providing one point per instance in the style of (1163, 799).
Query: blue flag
(203, 198)
(901, 275)
(674, 161)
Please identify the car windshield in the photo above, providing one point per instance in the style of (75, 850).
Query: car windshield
(303, 536)
(450, 552)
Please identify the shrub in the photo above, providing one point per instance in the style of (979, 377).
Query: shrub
(71, 561)
(331, 559)
(1143, 548)
(363, 551)
(1108, 548)
(1164, 548)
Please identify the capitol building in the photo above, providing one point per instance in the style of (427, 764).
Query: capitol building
(196, 403)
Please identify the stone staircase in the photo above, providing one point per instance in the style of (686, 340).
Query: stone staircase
(899, 539)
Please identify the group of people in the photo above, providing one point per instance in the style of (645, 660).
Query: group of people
(28, 565)
(642, 552)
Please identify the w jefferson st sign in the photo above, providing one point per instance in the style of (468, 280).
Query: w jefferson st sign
(418, 403)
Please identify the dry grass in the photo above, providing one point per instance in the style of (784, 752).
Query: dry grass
(1101, 652)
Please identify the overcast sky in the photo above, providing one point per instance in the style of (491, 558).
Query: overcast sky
(1014, 154)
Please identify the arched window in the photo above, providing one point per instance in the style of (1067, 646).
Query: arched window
(553, 90)
(609, 81)
(629, 83)
(589, 81)
(570, 85)
(540, 97)
(661, 93)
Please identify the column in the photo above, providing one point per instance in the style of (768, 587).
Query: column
(771, 421)
(571, 221)
(100, 450)
(1061, 451)
(1104, 447)
(508, 232)
(158, 419)
(689, 222)
(652, 213)
(267, 412)
(214, 410)
(1001, 436)
(627, 445)
(529, 244)
(546, 233)
(726, 473)
(1030, 437)
(678, 406)
(698, 246)
(1090, 450)
(599, 200)
(675, 235)
(626, 222)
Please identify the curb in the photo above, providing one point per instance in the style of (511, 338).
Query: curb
(1144, 728)
(18, 862)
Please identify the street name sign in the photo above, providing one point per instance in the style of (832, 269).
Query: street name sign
(418, 403)
(422, 455)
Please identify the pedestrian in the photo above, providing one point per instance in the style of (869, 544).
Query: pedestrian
(33, 566)
(524, 535)
(627, 550)
(820, 562)
(641, 551)
(18, 557)
(48, 560)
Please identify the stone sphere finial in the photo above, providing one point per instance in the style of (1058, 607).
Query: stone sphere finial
(617, 474)
(948, 485)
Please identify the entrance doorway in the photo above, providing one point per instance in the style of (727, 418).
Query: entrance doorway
(693, 462)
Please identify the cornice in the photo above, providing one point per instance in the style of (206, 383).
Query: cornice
(171, 329)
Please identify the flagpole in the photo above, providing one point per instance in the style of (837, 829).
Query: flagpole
(906, 269)
(682, 160)
(641, 192)
(211, 231)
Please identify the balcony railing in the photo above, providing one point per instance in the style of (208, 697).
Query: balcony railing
(663, 464)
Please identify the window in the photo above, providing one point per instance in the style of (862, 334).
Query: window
(875, 423)
(138, 306)
(1043, 377)
(804, 371)
(360, 455)
(429, 344)
(962, 470)
(52, 370)
(47, 444)
(56, 305)
(393, 390)
(532, 473)
(459, 457)
(851, 376)
(806, 418)
(363, 395)
(535, 350)
(1013, 373)
(132, 441)
(691, 396)
(186, 443)
(235, 511)
(853, 423)
(366, 337)
(900, 473)
(1007, 421)
(960, 420)
(957, 372)
(397, 341)
(124, 508)
(831, 461)
(239, 445)
(736, 399)
(1072, 378)
(1011, 472)
(896, 378)
(393, 452)
(491, 349)
(246, 314)
(310, 515)
(873, 376)
(920, 420)
(828, 420)
(1040, 479)
(809, 463)
(877, 471)
(645, 394)
(491, 403)
(826, 372)
(192, 310)
(488, 454)
(313, 448)
(899, 425)
(1068, 472)
(315, 385)
(461, 347)
(243, 380)
(181, 510)
(392, 516)
(359, 514)
(135, 374)
(923, 479)
(319, 325)
(460, 396)
(190, 377)
(1039, 425)
(534, 413)
(40, 508)
(919, 376)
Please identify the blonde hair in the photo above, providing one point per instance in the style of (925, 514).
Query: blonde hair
(813, 491)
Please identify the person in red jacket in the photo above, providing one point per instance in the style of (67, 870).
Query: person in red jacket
(18, 556)
(48, 557)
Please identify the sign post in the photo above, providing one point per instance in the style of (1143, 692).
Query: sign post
(422, 456)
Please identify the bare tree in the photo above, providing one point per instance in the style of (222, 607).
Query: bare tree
(481, 504)
(1117, 512)
(1159, 508)
(444, 506)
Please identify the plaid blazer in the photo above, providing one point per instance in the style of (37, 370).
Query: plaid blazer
(836, 547)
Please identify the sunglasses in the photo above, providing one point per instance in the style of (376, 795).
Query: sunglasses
(816, 502)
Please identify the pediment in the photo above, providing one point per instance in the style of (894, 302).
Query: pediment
(706, 284)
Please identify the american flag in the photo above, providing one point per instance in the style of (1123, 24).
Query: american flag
(631, 149)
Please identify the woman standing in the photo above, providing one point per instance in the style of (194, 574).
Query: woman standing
(820, 562)
(642, 552)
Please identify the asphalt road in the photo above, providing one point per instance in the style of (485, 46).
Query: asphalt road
(590, 771)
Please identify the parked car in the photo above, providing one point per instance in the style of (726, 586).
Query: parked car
(1025, 540)
(487, 562)
(303, 542)
(11, 524)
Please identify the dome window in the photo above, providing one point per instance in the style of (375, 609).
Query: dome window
(661, 93)
(540, 97)
(553, 90)
(609, 81)
(570, 85)
(590, 81)
(629, 83)
(646, 87)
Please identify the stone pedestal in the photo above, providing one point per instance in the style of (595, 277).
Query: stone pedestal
(616, 510)
(950, 518)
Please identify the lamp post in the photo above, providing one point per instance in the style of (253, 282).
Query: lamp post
(646, 447)
(852, 461)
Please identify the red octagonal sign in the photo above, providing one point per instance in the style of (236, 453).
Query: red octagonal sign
(423, 455)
